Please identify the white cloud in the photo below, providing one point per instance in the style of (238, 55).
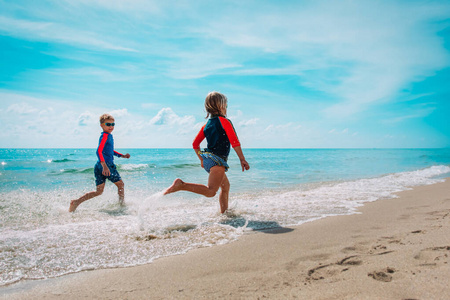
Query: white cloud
(166, 116)
(411, 114)
(56, 32)
(149, 105)
(336, 131)
(86, 118)
(21, 109)
(119, 112)
(284, 127)
(249, 122)
(359, 52)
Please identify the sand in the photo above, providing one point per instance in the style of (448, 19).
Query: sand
(393, 249)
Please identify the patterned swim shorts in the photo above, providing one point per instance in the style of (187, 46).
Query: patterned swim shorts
(100, 178)
(211, 160)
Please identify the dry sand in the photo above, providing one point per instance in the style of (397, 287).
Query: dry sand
(395, 249)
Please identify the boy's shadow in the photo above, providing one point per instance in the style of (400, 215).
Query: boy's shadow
(270, 227)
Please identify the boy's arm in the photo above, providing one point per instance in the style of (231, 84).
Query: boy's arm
(121, 155)
(106, 171)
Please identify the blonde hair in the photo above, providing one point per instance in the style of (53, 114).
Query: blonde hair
(105, 117)
(215, 104)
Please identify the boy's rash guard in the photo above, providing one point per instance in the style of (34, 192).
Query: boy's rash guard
(105, 150)
(219, 133)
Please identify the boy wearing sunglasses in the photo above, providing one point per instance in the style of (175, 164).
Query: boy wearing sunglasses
(105, 167)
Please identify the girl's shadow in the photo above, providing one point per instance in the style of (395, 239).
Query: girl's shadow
(263, 226)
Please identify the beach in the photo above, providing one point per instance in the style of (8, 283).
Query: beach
(394, 248)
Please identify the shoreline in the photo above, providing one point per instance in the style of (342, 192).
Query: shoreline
(395, 248)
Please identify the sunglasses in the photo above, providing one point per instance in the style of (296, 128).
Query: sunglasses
(109, 124)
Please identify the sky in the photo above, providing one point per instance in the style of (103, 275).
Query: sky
(297, 74)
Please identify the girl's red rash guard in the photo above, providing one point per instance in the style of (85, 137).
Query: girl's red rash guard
(105, 150)
(219, 133)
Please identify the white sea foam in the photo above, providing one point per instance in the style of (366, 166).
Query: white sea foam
(300, 205)
(40, 239)
(132, 167)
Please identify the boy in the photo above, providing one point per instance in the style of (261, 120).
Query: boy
(105, 167)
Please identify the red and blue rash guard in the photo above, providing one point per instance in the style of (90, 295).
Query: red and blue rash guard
(105, 150)
(219, 133)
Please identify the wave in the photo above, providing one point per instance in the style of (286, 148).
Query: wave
(121, 168)
(153, 227)
(73, 171)
(133, 167)
(182, 166)
(62, 160)
(336, 198)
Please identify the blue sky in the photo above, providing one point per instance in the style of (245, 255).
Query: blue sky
(298, 74)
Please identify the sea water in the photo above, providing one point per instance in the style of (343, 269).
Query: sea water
(40, 239)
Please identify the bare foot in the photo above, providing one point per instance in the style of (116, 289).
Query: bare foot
(73, 205)
(175, 187)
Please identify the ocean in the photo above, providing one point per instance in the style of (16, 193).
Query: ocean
(40, 239)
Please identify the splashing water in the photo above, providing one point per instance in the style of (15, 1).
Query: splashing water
(40, 239)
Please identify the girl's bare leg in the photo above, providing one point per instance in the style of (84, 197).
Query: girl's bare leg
(74, 203)
(215, 180)
(121, 191)
(224, 192)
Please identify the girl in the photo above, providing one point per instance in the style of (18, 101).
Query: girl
(219, 133)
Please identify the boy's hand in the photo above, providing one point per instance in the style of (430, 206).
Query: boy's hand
(244, 165)
(106, 172)
(126, 155)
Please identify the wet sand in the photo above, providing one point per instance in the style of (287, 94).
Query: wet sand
(393, 249)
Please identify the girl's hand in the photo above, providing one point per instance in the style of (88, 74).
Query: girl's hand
(126, 155)
(244, 165)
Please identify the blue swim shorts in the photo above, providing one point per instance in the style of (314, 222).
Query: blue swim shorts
(100, 178)
(210, 160)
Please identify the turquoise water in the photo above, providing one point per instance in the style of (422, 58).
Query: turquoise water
(284, 187)
(152, 169)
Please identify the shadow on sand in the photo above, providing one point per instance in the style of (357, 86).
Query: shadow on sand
(270, 227)
(121, 211)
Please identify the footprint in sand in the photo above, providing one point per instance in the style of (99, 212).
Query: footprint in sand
(433, 256)
(439, 215)
(383, 275)
(329, 270)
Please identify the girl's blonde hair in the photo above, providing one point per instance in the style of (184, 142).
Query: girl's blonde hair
(215, 104)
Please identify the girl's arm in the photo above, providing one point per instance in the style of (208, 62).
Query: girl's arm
(240, 154)
(197, 151)
(234, 141)
(196, 144)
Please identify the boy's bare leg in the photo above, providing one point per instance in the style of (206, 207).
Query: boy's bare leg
(224, 192)
(214, 182)
(121, 191)
(74, 203)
